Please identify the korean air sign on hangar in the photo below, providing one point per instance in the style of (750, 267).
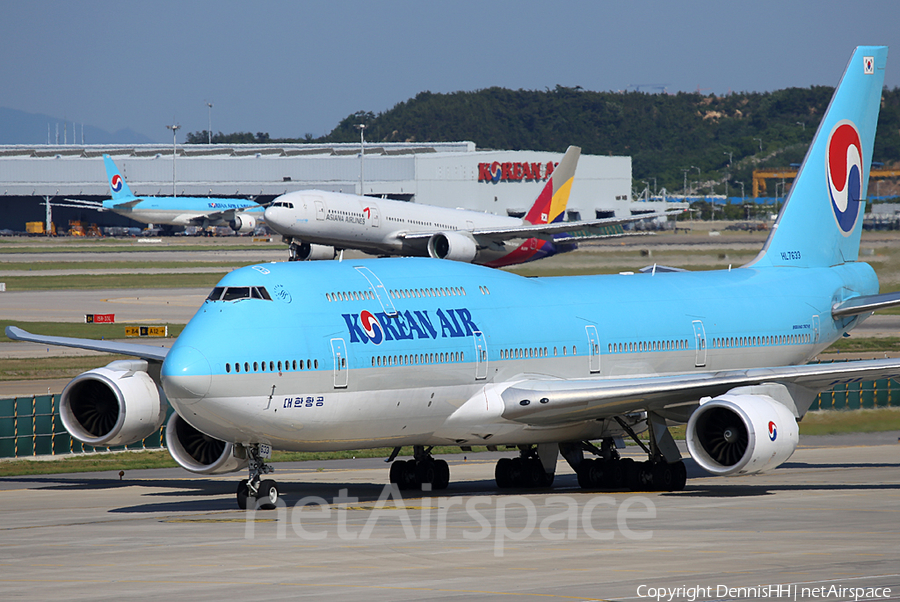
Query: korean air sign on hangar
(515, 171)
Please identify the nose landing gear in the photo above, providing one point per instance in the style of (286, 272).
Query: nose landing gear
(264, 493)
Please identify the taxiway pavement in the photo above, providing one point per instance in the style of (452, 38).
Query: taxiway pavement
(828, 517)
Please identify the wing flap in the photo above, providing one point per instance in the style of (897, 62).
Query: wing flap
(526, 230)
(147, 352)
(550, 402)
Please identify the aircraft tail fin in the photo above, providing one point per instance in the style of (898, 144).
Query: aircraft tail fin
(118, 188)
(821, 221)
(550, 205)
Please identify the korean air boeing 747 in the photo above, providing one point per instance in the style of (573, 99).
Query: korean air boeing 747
(421, 352)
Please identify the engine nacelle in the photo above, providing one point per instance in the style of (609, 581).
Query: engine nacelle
(198, 452)
(741, 434)
(308, 252)
(114, 405)
(243, 223)
(456, 246)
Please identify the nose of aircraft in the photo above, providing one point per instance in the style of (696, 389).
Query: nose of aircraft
(276, 217)
(186, 374)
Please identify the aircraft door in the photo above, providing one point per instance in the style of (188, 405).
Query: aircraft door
(700, 341)
(594, 347)
(815, 324)
(481, 358)
(371, 212)
(320, 210)
(341, 368)
(384, 298)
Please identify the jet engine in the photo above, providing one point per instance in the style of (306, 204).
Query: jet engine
(114, 405)
(456, 246)
(305, 251)
(741, 434)
(243, 223)
(198, 452)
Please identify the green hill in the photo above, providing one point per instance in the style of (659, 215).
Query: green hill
(665, 134)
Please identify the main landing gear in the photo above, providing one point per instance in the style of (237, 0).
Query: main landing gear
(263, 493)
(663, 471)
(422, 469)
(530, 470)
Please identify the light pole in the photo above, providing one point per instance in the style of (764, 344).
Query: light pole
(362, 154)
(742, 189)
(730, 157)
(174, 129)
(760, 143)
(654, 186)
(685, 170)
(209, 126)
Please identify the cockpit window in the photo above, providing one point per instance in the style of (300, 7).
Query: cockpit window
(235, 293)
(232, 293)
(284, 204)
(260, 292)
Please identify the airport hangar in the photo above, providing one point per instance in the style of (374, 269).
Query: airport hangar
(449, 174)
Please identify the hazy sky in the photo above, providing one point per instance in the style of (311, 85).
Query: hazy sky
(292, 67)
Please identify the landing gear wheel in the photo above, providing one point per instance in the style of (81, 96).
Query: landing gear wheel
(663, 476)
(243, 492)
(503, 473)
(441, 475)
(679, 471)
(267, 495)
(584, 474)
(398, 467)
(425, 472)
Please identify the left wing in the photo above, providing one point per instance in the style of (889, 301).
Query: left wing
(147, 352)
(553, 402)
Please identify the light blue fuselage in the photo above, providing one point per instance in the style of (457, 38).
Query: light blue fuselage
(401, 391)
(178, 211)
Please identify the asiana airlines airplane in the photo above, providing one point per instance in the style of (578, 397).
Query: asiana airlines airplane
(420, 352)
(318, 223)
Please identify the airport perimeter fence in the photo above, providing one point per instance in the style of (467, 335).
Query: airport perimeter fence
(31, 426)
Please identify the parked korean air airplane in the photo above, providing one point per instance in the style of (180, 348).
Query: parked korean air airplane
(317, 223)
(421, 352)
(242, 215)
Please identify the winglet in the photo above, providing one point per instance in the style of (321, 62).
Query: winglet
(118, 188)
(550, 205)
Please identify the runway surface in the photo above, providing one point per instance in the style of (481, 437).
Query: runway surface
(829, 517)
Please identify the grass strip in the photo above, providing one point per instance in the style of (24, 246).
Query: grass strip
(112, 281)
(39, 266)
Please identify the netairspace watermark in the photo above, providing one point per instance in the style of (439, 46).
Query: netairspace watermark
(785, 591)
(500, 519)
